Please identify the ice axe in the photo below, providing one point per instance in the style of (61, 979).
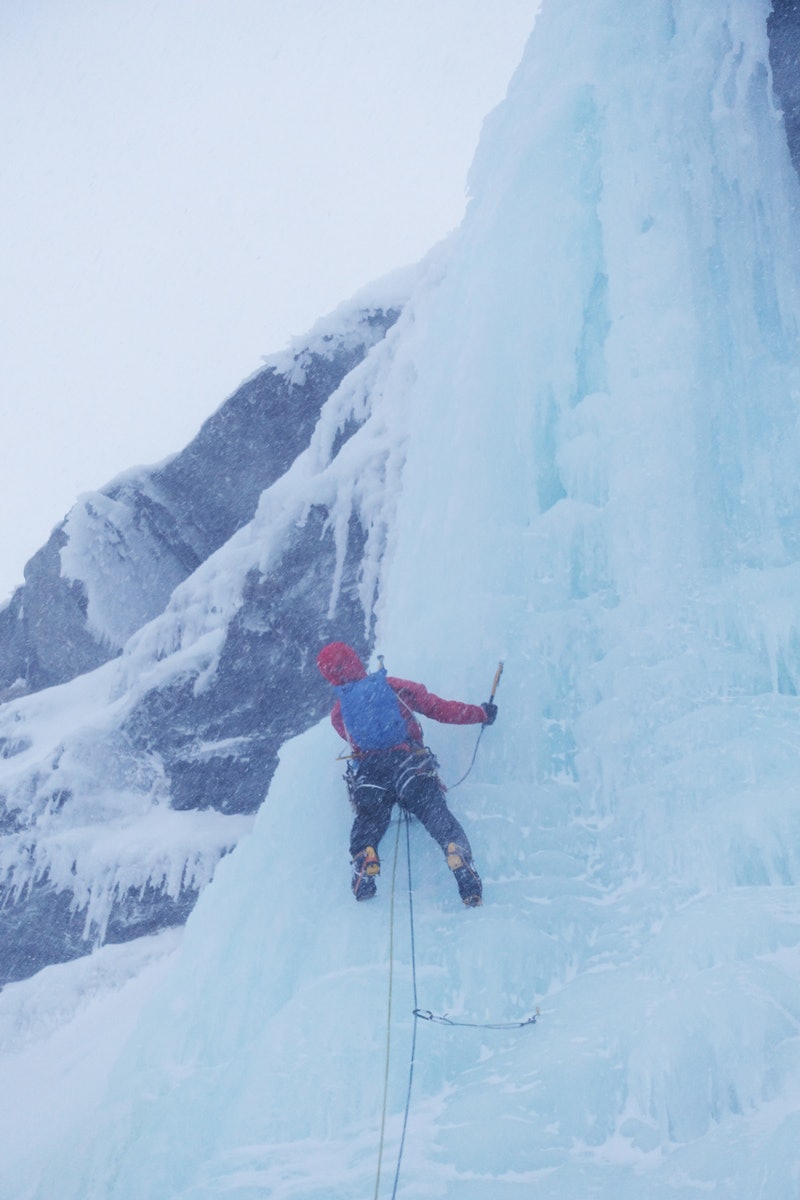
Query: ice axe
(496, 680)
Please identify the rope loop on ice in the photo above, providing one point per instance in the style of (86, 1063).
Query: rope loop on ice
(425, 1014)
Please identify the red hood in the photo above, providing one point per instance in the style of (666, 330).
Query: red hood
(339, 663)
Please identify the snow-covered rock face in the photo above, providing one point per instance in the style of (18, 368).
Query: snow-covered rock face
(121, 789)
(784, 34)
(112, 565)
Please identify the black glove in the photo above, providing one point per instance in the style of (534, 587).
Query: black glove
(491, 712)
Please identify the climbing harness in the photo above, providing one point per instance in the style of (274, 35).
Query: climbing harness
(417, 762)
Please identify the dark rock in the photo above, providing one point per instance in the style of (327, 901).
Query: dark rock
(783, 27)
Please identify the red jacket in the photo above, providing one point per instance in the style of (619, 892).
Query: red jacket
(339, 663)
(413, 698)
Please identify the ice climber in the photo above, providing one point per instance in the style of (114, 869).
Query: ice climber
(390, 765)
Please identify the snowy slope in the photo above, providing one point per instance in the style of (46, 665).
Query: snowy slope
(608, 365)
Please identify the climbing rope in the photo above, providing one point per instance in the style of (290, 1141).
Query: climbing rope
(497, 675)
(422, 1013)
(389, 1015)
(389, 1012)
(458, 782)
(414, 985)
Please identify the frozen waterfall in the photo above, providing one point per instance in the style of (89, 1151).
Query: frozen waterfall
(584, 450)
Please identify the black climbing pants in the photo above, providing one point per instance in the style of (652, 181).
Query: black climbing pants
(409, 779)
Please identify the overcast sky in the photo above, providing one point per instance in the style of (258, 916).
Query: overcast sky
(186, 184)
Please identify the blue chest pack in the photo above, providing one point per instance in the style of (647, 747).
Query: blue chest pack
(371, 712)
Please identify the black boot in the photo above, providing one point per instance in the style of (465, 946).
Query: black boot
(366, 865)
(467, 878)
